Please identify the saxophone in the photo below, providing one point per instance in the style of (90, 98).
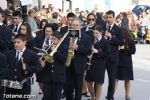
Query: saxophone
(73, 40)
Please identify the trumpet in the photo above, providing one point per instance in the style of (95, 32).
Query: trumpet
(73, 40)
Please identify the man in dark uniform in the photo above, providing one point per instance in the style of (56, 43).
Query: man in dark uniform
(3, 72)
(76, 70)
(70, 17)
(114, 36)
(5, 34)
(17, 21)
(22, 63)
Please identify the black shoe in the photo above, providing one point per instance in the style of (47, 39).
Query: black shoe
(127, 98)
(107, 98)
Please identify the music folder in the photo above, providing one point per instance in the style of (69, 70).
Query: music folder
(74, 33)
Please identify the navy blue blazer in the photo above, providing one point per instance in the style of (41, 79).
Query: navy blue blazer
(99, 59)
(125, 55)
(115, 42)
(15, 70)
(5, 37)
(80, 57)
(3, 66)
(55, 72)
(39, 40)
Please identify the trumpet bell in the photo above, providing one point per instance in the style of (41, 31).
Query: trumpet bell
(48, 58)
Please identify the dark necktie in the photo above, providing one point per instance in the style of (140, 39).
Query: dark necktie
(47, 41)
(16, 28)
(109, 28)
(17, 57)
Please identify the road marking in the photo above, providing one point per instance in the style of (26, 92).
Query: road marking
(142, 80)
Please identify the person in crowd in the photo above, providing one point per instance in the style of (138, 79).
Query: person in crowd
(100, 19)
(114, 35)
(125, 66)
(43, 42)
(5, 34)
(97, 63)
(43, 23)
(17, 21)
(91, 21)
(124, 20)
(3, 72)
(55, 79)
(8, 19)
(81, 46)
(70, 17)
(26, 30)
(91, 18)
(32, 21)
(22, 64)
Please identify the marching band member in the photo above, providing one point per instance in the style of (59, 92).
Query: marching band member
(114, 36)
(125, 66)
(3, 72)
(55, 75)
(43, 42)
(22, 63)
(91, 18)
(76, 70)
(97, 63)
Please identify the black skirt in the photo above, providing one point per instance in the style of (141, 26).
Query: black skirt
(95, 75)
(125, 73)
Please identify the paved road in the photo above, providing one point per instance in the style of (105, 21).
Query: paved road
(140, 89)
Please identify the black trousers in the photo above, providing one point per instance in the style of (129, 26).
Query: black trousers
(26, 90)
(111, 68)
(52, 91)
(1, 92)
(73, 82)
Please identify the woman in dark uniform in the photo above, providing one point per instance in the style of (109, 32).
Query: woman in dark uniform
(26, 30)
(97, 66)
(125, 67)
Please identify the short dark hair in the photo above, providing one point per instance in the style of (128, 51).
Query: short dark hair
(57, 35)
(98, 28)
(22, 37)
(92, 14)
(110, 12)
(17, 13)
(71, 14)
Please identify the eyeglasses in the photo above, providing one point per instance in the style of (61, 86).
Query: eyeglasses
(91, 19)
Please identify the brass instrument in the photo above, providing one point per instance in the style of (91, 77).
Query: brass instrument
(44, 54)
(49, 57)
(73, 40)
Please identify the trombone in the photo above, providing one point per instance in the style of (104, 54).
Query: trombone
(49, 57)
